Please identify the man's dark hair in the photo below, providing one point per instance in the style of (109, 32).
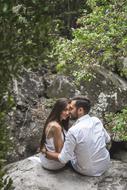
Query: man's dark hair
(83, 102)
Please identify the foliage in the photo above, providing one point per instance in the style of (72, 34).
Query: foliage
(5, 143)
(28, 29)
(25, 34)
(117, 123)
(100, 39)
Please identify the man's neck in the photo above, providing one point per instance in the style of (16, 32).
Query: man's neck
(82, 114)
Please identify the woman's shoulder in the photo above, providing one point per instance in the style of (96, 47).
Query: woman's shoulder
(52, 128)
(54, 124)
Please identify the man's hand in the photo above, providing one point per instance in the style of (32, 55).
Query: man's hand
(48, 154)
(43, 150)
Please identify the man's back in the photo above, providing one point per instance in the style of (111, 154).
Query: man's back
(87, 141)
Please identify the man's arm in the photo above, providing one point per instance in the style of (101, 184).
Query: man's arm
(107, 137)
(49, 155)
(67, 150)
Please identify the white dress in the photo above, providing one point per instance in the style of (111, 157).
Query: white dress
(50, 164)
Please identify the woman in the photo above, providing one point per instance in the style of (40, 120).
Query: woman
(54, 133)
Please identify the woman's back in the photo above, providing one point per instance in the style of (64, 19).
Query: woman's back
(53, 130)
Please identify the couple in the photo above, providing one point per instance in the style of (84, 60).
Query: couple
(83, 145)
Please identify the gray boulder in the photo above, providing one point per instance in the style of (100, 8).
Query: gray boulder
(26, 129)
(28, 88)
(60, 86)
(106, 90)
(31, 176)
(36, 91)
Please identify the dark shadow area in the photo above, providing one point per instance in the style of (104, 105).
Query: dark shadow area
(118, 148)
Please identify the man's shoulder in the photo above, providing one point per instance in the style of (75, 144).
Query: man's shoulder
(74, 129)
(97, 123)
(96, 119)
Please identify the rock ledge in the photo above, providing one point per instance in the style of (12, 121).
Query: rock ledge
(28, 175)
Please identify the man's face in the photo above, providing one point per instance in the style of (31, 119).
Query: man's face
(73, 110)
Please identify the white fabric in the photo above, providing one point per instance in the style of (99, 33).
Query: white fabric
(35, 159)
(85, 146)
(50, 164)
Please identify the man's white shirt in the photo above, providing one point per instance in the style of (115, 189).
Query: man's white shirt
(85, 146)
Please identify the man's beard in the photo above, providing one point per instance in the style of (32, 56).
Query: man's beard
(74, 117)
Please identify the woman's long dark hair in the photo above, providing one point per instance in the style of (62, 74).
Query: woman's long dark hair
(54, 115)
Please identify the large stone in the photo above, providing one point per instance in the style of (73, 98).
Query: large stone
(26, 130)
(106, 90)
(60, 86)
(34, 91)
(31, 176)
(28, 87)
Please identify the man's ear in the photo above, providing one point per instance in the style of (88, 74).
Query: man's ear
(81, 110)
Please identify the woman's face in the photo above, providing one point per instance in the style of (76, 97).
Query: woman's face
(65, 113)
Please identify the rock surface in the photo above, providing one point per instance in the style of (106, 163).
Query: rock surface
(60, 86)
(34, 93)
(107, 92)
(29, 175)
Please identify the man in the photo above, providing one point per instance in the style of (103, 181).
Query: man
(85, 144)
